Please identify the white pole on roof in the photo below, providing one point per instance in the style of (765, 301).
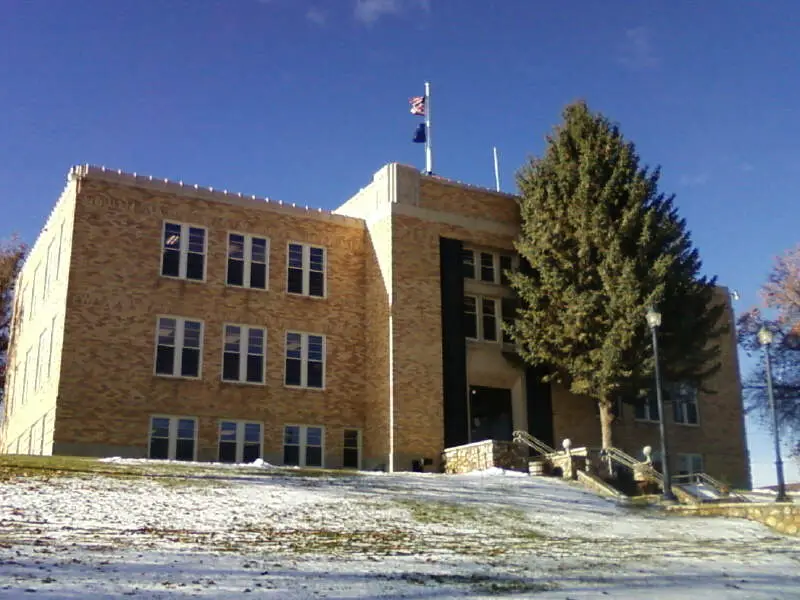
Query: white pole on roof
(496, 170)
(428, 145)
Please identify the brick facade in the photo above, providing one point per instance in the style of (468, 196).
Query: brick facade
(381, 319)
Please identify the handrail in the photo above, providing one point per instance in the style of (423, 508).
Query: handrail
(526, 438)
(626, 460)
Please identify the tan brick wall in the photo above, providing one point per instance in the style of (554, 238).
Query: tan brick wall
(457, 199)
(39, 317)
(108, 387)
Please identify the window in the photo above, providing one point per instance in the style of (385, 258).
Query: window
(183, 252)
(306, 270)
(690, 464)
(305, 360)
(508, 310)
(48, 268)
(243, 357)
(302, 446)
(178, 347)
(50, 349)
(26, 377)
(684, 403)
(351, 458)
(239, 441)
(488, 267)
(61, 240)
(36, 291)
(41, 361)
(247, 261)
(647, 408)
(468, 263)
(481, 318)
(173, 438)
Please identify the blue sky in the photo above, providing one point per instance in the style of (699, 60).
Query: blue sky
(303, 100)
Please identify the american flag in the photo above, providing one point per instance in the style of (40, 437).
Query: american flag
(418, 105)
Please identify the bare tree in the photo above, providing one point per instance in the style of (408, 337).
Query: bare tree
(12, 254)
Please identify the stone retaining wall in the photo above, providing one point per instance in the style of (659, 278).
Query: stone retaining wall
(783, 517)
(479, 456)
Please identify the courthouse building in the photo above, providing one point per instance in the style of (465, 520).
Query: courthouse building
(158, 319)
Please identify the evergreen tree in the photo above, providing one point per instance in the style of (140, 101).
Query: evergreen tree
(600, 244)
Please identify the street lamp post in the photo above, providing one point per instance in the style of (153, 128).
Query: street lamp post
(765, 339)
(654, 321)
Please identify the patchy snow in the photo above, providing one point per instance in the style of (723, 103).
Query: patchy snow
(214, 531)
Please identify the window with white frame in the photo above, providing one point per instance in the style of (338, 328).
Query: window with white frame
(305, 273)
(50, 348)
(244, 353)
(26, 375)
(684, 403)
(36, 291)
(690, 464)
(646, 409)
(486, 266)
(61, 240)
(248, 259)
(303, 445)
(41, 360)
(183, 251)
(179, 347)
(481, 320)
(173, 438)
(239, 441)
(305, 360)
(351, 456)
(49, 267)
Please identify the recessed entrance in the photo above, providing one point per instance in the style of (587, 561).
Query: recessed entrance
(490, 413)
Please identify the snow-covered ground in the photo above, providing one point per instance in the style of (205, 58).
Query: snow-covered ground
(215, 532)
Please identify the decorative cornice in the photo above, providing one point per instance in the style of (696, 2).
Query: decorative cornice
(180, 188)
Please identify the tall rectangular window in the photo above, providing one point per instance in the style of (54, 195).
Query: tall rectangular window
(183, 251)
(244, 353)
(305, 272)
(173, 438)
(481, 318)
(239, 441)
(305, 360)
(509, 311)
(41, 360)
(468, 263)
(647, 409)
(26, 375)
(351, 458)
(248, 261)
(506, 265)
(49, 267)
(60, 250)
(50, 348)
(684, 403)
(179, 347)
(487, 267)
(303, 446)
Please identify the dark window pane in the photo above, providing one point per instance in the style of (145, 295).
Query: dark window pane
(259, 250)
(227, 452)
(489, 328)
(255, 369)
(170, 263)
(291, 435)
(508, 311)
(350, 458)
(291, 455)
(487, 267)
(165, 359)
(251, 452)
(313, 457)
(227, 431)
(190, 363)
(691, 413)
(258, 276)
(293, 367)
(197, 238)
(653, 403)
(235, 272)
(295, 256)
(172, 235)
(186, 428)
(159, 448)
(350, 438)
(159, 427)
(471, 325)
(316, 284)
(230, 367)
(184, 450)
(505, 265)
(677, 412)
(315, 374)
(294, 282)
(639, 410)
(194, 266)
(252, 432)
(314, 436)
(236, 246)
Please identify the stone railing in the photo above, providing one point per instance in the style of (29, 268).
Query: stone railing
(480, 456)
(782, 517)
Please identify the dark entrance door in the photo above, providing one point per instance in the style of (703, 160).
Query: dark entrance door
(490, 413)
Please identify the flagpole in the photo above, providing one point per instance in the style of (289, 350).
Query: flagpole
(496, 170)
(428, 149)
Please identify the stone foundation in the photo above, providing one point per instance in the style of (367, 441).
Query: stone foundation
(781, 517)
(480, 456)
